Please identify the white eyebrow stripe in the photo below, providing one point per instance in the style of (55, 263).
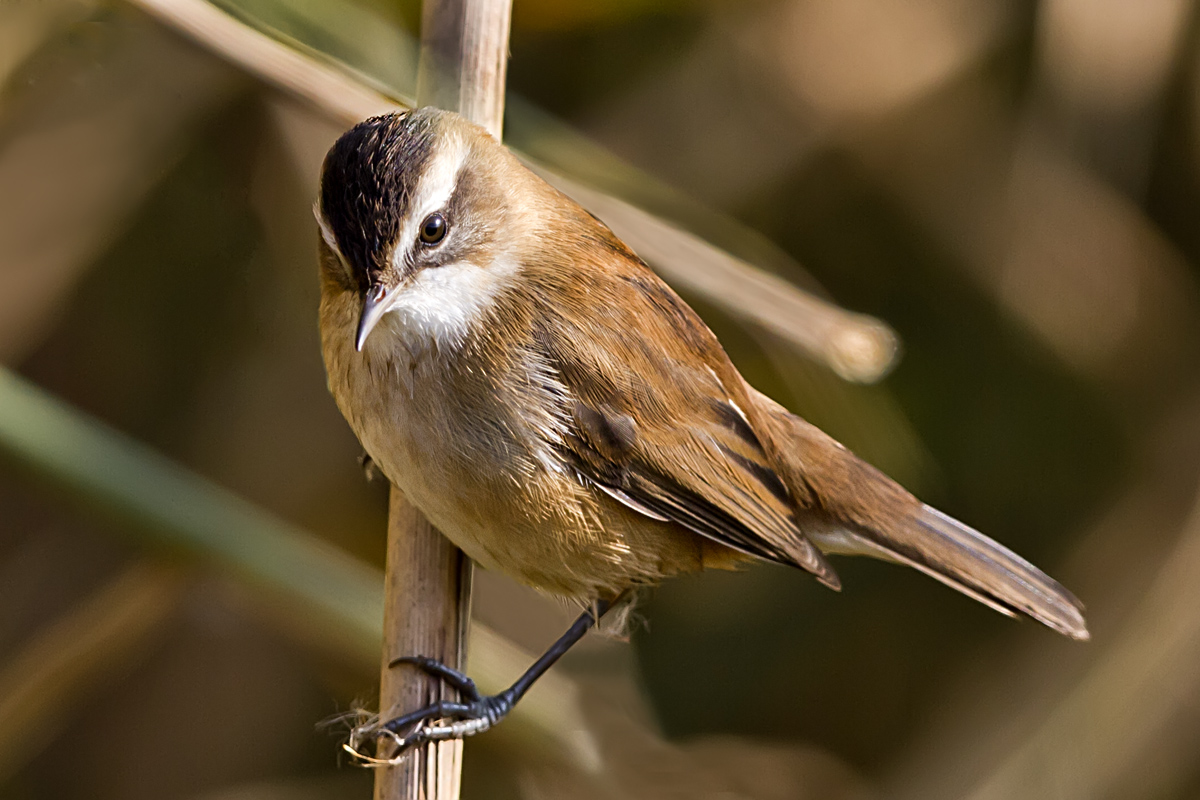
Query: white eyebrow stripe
(434, 190)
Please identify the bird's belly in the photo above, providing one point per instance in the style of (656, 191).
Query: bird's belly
(495, 488)
(540, 526)
(451, 497)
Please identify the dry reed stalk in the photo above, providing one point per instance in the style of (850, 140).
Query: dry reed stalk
(464, 52)
(858, 347)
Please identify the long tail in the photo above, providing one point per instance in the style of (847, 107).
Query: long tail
(845, 505)
(964, 559)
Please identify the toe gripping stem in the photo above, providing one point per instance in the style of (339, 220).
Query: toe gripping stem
(474, 712)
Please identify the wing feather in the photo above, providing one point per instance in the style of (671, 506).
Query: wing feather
(654, 426)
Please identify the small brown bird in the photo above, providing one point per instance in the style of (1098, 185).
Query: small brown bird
(561, 415)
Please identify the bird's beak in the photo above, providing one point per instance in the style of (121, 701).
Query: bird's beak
(374, 307)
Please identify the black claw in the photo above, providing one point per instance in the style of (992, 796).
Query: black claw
(430, 666)
(441, 710)
(489, 709)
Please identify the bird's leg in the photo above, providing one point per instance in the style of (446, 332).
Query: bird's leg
(475, 713)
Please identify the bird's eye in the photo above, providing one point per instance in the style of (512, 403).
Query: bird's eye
(433, 229)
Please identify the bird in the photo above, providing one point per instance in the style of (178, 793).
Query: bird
(563, 416)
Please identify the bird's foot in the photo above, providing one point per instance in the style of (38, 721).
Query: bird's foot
(472, 713)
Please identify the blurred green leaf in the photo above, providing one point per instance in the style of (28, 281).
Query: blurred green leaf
(172, 506)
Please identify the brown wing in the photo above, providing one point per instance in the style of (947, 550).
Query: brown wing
(662, 421)
(652, 423)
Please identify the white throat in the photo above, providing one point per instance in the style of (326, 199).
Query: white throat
(441, 305)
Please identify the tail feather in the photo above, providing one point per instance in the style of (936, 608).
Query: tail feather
(966, 560)
(845, 505)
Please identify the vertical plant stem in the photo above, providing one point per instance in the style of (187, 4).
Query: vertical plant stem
(464, 59)
(464, 54)
(427, 601)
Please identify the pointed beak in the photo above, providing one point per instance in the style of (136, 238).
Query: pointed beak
(373, 309)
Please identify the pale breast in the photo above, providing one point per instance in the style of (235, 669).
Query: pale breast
(438, 426)
(472, 441)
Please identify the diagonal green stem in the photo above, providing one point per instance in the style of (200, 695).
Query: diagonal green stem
(173, 507)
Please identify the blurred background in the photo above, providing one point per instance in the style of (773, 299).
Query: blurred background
(1012, 186)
